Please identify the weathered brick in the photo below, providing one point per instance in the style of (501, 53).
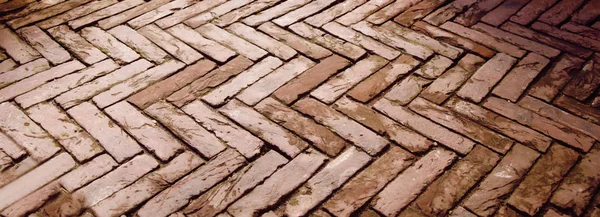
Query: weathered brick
(424, 126)
(188, 12)
(77, 44)
(79, 143)
(236, 137)
(484, 39)
(7, 65)
(186, 128)
(333, 12)
(197, 182)
(585, 82)
(114, 140)
(254, 122)
(504, 125)
(44, 44)
(452, 79)
(367, 183)
(195, 40)
(109, 44)
(138, 42)
(542, 124)
(178, 167)
(87, 172)
(503, 12)
(578, 108)
(451, 38)
(219, 197)
(10, 148)
(268, 84)
(17, 170)
(435, 67)
(35, 179)
(75, 13)
(328, 41)
(15, 124)
(380, 80)
(487, 197)
(370, 44)
(403, 189)
(24, 71)
(136, 83)
(531, 11)
(32, 201)
(342, 82)
(448, 11)
(518, 40)
(172, 45)
(476, 12)
(211, 80)
(560, 11)
(90, 89)
(45, 13)
(310, 79)
(231, 41)
(116, 180)
(518, 79)
(282, 182)
(362, 12)
(239, 13)
(406, 90)
(543, 178)
(65, 83)
(567, 36)
(160, 12)
(219, 95)
(273, 12)
(320, 136)
(263, 41)
(103, 13)
(120, 18)
(387, 35)
(166, 87)
(418, 11)
(216, 12)
(345, 127)
(155, 138)
(484, 79)
(557, 77)
(298, 43)
(303, 12)
(424, 40)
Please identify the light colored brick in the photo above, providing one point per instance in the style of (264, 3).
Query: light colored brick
(188, 12)
(159, 12)
(16, 47)
(24, 71)
(231, 41)
(263, 41)
(484, 79)
(172, 45)
(298, 43)
(87, 172)
(44, 44)
(75, 13)
(138, 42)
(76, 44)
(103, 13)
(373, 45)
(328, 41)
(273, 12)
(109, 44)
(194, 39)
(115, 20)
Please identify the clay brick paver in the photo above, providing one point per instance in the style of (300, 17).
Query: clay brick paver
(315, 108)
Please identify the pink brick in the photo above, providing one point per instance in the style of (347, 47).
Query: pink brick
(179, 166)
(35, 179)
(115, 20)
(197, 182)
(70, 135)
(216, 12)
(294, 41)
(302, 12)
(435, 67)
(103, 13)
(44, 45)
(418, 11)
(26, 133)
(519, 41)
(90, 89)
(114, 140)
(160, 12)
(32, 201)
(362, 12)
(453, 39)
(262, 40)
(274, 12)
(155, 138)
(227, 39)
(406, 90)
(186, 13)
(531, 11)
(186, 128)
(65, 83)
(333, 12)
(254, 122)
(45, 13)
(282, 182)
(484, 39)
(219, 197)
(136, 83)
(503, 12)
(114, 48)
(242, 12)
(391, 11)
(16, 47)
(448, 11)
(328, 41)
(236, 137)
(407, 186)
(172, 45)
(117, 179)
(373, 45)
(194, 39)
(560, 12)
(11, 148)
(476, 12)
(423, 41)
(75, 13)
(87, 172)
(7, 65)
(140, 43)
(23, 71)
(345, 127)
(17, 170)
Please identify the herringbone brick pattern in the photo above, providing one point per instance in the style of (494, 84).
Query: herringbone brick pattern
(322, 108)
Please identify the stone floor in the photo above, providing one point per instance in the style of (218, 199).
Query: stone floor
(319, 108)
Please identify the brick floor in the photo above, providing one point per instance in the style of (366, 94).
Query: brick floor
(317, 108)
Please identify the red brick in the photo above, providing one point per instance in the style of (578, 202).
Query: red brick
(543, 178)
(531, 11)
(407, 186)
(320, 136)
(484, 39)
(519, 41)
(418, 38)
(406, 90)
(390, 11)
(448, 11)
(587, 13)
(504, 125)
(239, 13)
(542, 124)
(476, 12)
(258, 124)
(367, 183)
(219, 197)
(560, 12)
(435, 67)
(236, 137)
(517, 80)
(362, 12)
(281, 183)
(380, 80)
(503, 12)
(310, 79)
(585, 82)
(166, 87)
(488, 196)
(45, 13)
(578, 108)
(567, 36)
(345, 127)
(333, 12)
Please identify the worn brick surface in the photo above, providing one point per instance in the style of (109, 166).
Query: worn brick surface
(317, 108)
